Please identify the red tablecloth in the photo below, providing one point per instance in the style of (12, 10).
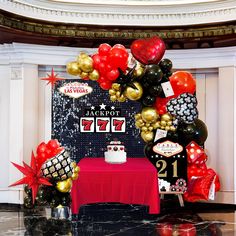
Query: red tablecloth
(134, 182)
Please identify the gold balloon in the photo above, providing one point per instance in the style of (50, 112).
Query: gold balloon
(112, 92)
(139, 124)
(169, 123)
(122, 98)
(147, 136)
(86, 64)
(64, 186)
(113, 98)
(74, 176)
(149, 114)
(134, 94)
(137, 116)
(139, 71)
(94, 75)
(163, 123)
(156, 125)
(172, 128)
(118, 93)
(167, 128)
(150, 128)
(166, 117)
(76, 169)
(73, 164)
(144, 128)
(84, 75)
(81, 56)
(72, 68)
(116, 86)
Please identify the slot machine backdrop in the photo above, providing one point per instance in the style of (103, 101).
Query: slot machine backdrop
(86, 124)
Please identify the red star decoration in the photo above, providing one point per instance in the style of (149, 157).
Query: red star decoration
(52, 79)
(33, 177)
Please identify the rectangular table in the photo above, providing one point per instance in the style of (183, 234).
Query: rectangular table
(133, 182)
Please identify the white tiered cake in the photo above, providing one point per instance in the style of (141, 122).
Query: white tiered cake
(115, 153)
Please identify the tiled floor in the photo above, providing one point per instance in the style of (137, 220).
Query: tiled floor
(117, 219)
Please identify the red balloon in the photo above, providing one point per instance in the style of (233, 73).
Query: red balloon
(148, 51)
(108, 67)
(120, 46)
(48, 153)
(118, 58)
(102, 68)
(112, 75)
(96, 61)
(104, 59)
(182, 82)
(41, 158)
(187, 230)
(106, 85)
(53, 144)
(102, 79)
(104, 49)
(42, 147)
(164, 229)
(160, 105)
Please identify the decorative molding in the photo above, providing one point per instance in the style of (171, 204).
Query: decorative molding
(143, 14)
(16, 73)
(77, 31)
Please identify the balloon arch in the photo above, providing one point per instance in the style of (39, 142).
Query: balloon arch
(169, 112)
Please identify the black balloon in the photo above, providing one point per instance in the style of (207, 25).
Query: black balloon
(148, 148)
(196, 131)
(166, 65)
(156, 91)
(28, 203)
(153, 74)
(148, 100)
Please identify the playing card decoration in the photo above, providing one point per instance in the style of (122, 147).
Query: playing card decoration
(148, 51)
(184, 108)
(170, 159)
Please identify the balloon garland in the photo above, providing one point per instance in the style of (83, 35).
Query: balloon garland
(48, 179)
(168, 99)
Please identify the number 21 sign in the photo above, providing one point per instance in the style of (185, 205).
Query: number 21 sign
(170, 159)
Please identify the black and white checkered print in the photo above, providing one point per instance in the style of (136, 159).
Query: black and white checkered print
(58, 167)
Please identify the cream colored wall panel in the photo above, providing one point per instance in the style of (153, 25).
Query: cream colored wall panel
(4, 123)
(211, 111)
(31, 110)
(225, 115)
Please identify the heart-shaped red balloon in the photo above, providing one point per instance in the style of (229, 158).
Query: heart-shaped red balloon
(148, 51)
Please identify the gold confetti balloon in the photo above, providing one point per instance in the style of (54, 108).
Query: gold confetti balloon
(64, 186)
(134, 94)
(149, 114)
(72, 68)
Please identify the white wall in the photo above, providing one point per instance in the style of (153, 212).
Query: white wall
(26, 103)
